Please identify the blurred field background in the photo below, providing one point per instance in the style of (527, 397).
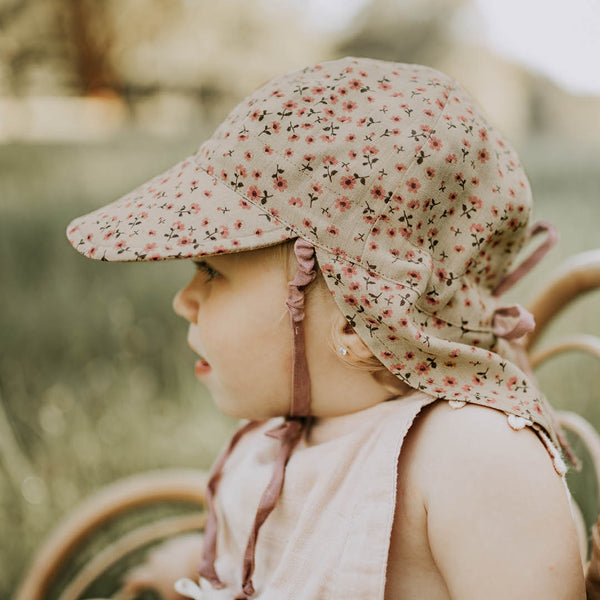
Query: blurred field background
(96, 380)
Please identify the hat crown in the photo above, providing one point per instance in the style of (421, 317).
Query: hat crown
(381, 163)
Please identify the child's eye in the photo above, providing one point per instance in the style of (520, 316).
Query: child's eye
(207, 269)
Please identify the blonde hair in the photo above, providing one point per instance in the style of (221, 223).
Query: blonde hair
(285, 256)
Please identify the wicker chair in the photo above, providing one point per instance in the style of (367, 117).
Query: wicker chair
(87, 554)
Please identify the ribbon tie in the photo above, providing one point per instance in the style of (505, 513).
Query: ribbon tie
(535, 257)
(512, 322)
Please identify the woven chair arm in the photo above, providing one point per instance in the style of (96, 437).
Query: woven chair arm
(122, 547)
(589, 344)
(578, 275)
(181, 485)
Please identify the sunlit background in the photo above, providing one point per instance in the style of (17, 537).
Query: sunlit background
(96, 380)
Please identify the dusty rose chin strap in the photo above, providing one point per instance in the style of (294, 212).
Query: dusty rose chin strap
(209, 550)
(289, 433)
(304, 275)
(291, 430)
(513, 322)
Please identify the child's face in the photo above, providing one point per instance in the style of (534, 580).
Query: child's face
(240, 324)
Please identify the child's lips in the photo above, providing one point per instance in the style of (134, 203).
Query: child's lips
(202, 367)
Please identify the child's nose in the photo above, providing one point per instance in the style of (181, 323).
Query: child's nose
(185, 305)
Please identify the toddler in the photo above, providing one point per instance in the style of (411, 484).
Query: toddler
(396, 444)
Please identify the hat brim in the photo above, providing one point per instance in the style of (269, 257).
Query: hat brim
(183, 212)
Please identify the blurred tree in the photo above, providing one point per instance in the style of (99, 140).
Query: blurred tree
(138, 47)
(55, 47)
(29, 41)
(217, 51)
(91, 34)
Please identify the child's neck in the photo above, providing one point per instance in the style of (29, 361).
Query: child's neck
(338, 389)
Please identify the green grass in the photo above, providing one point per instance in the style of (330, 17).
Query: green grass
(96, 380)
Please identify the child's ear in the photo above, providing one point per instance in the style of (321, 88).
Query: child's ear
(352, 341)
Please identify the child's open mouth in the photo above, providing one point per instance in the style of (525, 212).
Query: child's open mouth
(201, 367)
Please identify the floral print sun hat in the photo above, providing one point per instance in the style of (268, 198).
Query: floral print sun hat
(415, 205)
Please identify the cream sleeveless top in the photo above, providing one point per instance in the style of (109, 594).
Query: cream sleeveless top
(329, 534)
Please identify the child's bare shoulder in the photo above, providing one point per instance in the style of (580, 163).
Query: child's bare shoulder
(472, 453)
(487, 494)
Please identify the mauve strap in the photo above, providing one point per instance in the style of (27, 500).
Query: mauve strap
(503, 327)
(534, 259)
(289, 433)
(291, 430)
(304, 275)
(209, 548)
